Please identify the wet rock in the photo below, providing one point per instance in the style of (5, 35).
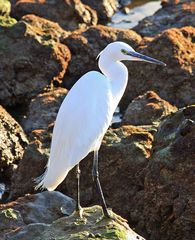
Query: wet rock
(43, 207)
(85, 45)
(5, 7)
(104, 9)
(174, 83)
(30, 62)
(43, 110)
(165, 208)
(50, 29)
(70, 15)
(147, 109)
(91, 227)
(12, 145)
(174, 14)
(122, 158)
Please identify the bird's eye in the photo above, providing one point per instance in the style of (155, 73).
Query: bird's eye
(124, 51)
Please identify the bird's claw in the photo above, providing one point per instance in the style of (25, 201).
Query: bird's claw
(109, 214)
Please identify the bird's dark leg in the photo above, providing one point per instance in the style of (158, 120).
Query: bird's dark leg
(78, 205)
(95, 175)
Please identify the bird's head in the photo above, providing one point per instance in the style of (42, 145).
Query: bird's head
(119, 51)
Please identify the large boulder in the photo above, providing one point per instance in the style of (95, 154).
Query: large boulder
(85, 45)
(70, 15)
(12, 146)
(147, 109)
(125, 151)
(38, 125)
(31, 166)
(30, 62)
(13, 140)
(104, 9)
(49, 28)
(38, 208)
(122, 158)
(174, 83)
(43, 110)
(165, 208)
(173, 14)
(72, 228)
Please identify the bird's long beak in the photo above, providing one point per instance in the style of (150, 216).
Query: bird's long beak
(141, 57)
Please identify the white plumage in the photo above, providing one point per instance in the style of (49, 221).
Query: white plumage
(87, 111)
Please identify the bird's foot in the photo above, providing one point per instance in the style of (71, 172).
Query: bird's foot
(79, 211)
(111, 215)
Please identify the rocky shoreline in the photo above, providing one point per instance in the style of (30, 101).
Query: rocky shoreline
(146, 162)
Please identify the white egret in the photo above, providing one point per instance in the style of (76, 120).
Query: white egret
(86, 114)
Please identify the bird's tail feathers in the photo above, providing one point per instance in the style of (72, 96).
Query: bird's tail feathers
(39, 181)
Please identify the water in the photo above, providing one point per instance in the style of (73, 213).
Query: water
(137, 10)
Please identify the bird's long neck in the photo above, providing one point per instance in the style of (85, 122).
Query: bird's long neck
(117, 74)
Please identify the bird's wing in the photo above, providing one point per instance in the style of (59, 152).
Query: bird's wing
(82, 120)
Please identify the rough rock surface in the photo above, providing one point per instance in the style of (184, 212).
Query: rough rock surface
(50, 29)
(86, 45)
(170, 16)
(12, 144)
(38, 125)
(104, 8)
(31, 166)
(70, 15)
(147, 109)
(175, 82)
(72, 228)
(124, 152)
(43, 110)
(165, 208)
(39, 208)
(30, 62)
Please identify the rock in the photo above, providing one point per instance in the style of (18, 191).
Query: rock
(38, 125)
(50, 29)
(147, 109)
(174, 83)
(43, 110)
(105, 9)
(5, 7)
(124, 152)
(124, 3)
(13, 140)
(85, 45)
(39, 208)
(170, 16)
(91, 227)
(165, 3)
(30, 62)
(70, 15)
(35, 158)
(10, 220)
(12, 145)
(165, 208)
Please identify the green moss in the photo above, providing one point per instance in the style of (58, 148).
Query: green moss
(8, 213)
(94, 227)
(6, 21)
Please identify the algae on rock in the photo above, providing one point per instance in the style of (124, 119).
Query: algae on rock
(93, 226)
